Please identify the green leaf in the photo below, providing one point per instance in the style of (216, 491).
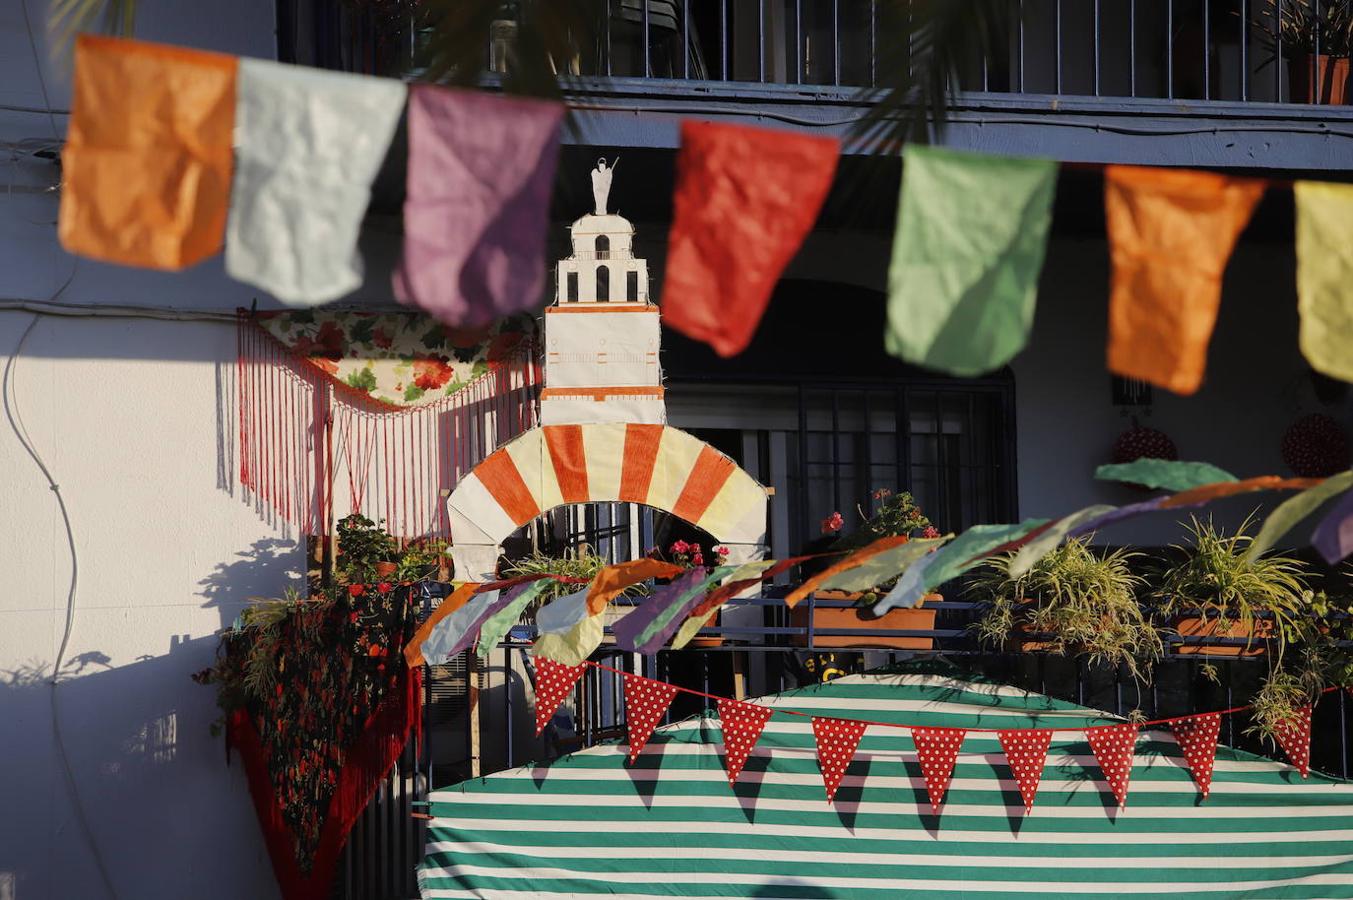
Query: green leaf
(413, 392)
(360, 329)
(434, 337)
(1169, 474)
(1293, 510)
(363, 379)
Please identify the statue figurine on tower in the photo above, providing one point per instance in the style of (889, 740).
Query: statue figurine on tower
(601, 183)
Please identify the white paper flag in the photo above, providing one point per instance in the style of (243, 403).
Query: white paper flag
(308, 144)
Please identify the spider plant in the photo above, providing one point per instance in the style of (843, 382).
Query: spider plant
(1085, 599)
(580, 563)
(1303, 26)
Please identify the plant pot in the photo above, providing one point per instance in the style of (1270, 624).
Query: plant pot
(385, 570)
(1030, 644)
(1330, 85)
(1197, 626)
(709, 640)
(833, 616)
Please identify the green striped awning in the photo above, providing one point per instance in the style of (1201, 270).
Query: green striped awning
(588, 825)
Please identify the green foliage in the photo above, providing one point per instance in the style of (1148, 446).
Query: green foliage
(896, 514)
(1084, 599)
(361, 544)
(1217, 580)
(421, 559)
(579, 563)
(1299, 24)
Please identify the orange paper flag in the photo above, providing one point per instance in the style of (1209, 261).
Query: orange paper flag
(612, 581)
(148, 156)
(1171, 232)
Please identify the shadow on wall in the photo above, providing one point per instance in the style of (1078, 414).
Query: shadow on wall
(151, 782)
(266, 569)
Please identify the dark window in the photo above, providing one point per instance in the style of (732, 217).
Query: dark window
(631, 286)
(572, 289)
(603, 247)
(603, 284)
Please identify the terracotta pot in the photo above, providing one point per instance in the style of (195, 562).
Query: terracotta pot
(917, 619)
(1330, 87)
(1196, 626)
(709, 640)
(386, 569)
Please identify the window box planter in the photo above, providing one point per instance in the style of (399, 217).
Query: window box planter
(835, 610)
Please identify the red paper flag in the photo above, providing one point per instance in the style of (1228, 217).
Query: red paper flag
(645, 702)
(745, 199)
(1197, 737)
(836, 743)
(1294, 736)
(1113, 747)
(553, 682)
(1026, 751)
(937, 749)
(742, 724)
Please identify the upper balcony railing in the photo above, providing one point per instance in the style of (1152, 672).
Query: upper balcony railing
(1217, 50)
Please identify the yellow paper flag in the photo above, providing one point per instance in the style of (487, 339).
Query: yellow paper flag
(1325, 276)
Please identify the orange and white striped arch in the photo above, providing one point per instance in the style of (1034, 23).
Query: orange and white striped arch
(555, 465)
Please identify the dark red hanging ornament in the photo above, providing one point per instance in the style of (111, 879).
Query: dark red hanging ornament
(1139, 441)
(1316, 446)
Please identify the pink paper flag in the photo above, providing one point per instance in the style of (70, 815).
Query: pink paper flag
(1197, 737)
(645, 702)
(1294, 736)
(742, 724)
(1026, 751)
(836, 743)
(1113, 747)
(553, 682)
(937, 749)
(481, 169)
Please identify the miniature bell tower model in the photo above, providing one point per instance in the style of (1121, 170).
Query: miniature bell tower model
(601, 333)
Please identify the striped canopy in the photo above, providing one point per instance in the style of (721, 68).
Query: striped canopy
(588, 825)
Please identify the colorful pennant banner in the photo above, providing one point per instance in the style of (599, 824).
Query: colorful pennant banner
(1026, 752)
(646, 701)
(553, 684)
(837, 740)
(742, 724)
(937, 751)
(1197, 737)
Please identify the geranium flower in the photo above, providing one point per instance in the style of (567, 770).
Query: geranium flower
(721, 551)
(833, 523)
(356, 590)
(679, 547)
(431, 373)
(930, 531)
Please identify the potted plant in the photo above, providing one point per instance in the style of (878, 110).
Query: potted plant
(1217, 590)
(578, 565)
(895, 515)
(1076, 600)
(692, 554)
(423, 559)
(1315, 38)
(366, 552)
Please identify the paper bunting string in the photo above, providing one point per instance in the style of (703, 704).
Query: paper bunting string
(308, 144)
(658, 617)
(1333, 537)
(562, 615)
(836, 742)
(1163, 303)
(1292, 510)
(413, 651)
(745, 199)
(460, 629)
(553, 684)
(645, 702)
(1114, 748)
(1294, 736)
(952, 560)
(1197, 737)
(746, 576)
(146, 168)
(1172, 475)
(972, 231)
(1209, 492)
(1324, 273)
(1050, 538)
(937, 750)
(1026, 752)
(857, 558)
(497, 625)
(573, 647)
(614, 580)
(476, 209)
(742, 724)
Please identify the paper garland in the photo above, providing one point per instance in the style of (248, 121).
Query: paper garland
(553, 684)
(1114, 748)
(742, 724)
(937, 751)
(1197, 737)
(1324, 275)
(1026, 752)
(1294, 736)
(646, 701)
(1170, 474)
(1333, 537)
(837, 740)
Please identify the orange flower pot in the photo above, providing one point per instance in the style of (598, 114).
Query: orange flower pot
(916, 619)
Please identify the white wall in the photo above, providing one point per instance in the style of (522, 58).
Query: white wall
(128, 416)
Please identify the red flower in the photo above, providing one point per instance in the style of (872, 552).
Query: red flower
(431, 373)
(376, 650)
(833, 523)
(503, 344)
(381, 339)
(721, 551)
(930, 531)
(681, 547)
(383, 587)
(356, 590)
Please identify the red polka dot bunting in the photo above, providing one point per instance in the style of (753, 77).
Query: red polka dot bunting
(742, 724)
(836, 743)
(1113, 747)
(553, 683)
(937, 750)
(1294, 736)
(1197, 737)
(645, 702)
(1026, 751)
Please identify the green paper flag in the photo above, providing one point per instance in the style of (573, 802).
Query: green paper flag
(501, 622)
(573, 648)
(881, 567)
(971, 235)
(1294, 509)
(1325, 276)
(952, 560)
(1048, 540)
(1164, 473)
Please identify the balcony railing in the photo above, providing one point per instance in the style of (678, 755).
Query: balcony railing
(1210, 50)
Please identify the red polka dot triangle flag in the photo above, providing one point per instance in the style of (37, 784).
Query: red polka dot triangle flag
(553, 683)
(742, 724)
(836, 743)
(1294, 736)
(645, 702)
(1026, 751)
(937, 750)
(1114, 748)
(1197, 737)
